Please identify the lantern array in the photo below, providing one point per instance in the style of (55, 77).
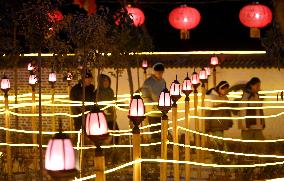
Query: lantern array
(255, 16)
(203, 77)
(184, 18)
(195, 80)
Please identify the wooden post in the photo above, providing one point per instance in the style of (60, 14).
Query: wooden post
(187, 139)
(197, 137)
(100, 165)
(34, 128)
(70, 118)
(136, 156)
(53, 109)
(175, 139)
(164, 140)
(8, 138)
(214, 76)
(203, 138)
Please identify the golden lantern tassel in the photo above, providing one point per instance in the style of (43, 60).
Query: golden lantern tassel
(184, 34)
(254, 33)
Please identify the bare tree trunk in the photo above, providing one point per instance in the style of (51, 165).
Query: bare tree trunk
(130, 80)
(279, 14)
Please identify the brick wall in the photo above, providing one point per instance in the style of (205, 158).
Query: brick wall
(24, 88)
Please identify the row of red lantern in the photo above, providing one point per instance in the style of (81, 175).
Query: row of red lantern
(185, 18)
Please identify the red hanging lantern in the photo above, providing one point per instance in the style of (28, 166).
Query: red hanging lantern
(136, 15)
(184, 18)
(255, 16)
(55, 16)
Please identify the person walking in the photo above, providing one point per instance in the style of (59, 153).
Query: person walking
(151, 90)
(104, 92)
(252, 127)
(218, 126)
(76, 94)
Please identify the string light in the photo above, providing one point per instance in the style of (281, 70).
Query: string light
(231, 139)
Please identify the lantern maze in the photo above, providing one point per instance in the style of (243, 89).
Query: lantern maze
(122, 105)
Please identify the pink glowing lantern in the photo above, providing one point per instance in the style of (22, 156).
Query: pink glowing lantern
(203, 75)
(165, 98)
(60, 157)
(52, 77)
(96, 123)
(214, 61)
(30, 67)
(136, 15)
(175, 91)
(184, 18)
(69, 76)
(195, 79)
(187, 86)
(5, 84)
(145, 64)
(32, 79)
(137, 108)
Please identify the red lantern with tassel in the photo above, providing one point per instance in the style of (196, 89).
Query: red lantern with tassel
(184, 18)
(255, 16)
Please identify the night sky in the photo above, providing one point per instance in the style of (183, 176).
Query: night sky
(219, 29)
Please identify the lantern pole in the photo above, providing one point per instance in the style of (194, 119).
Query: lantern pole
(164, 107)
(52, 83)
(175, 98)
(100, 164)
(136, 117)
(136, 140)
(195, 84)
(145, 65)
(187, 92)
(34, 128)
(204, 80)
(8, 138)
(69, 92)
(214, 76)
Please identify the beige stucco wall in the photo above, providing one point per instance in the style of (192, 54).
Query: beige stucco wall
(272, 79)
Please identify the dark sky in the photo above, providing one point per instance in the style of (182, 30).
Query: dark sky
(220, 28)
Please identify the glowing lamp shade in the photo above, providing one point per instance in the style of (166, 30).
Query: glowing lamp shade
(144, 64)
(30, 67)
(214, 60)
(184, 18)
(5, 84)
(52, 77)
(208, 71)
(175, 88)
(165, 98)
(203, 74)
(32, 79)
(187, 86)
(195, 79)
(136, 15)
(136, 108)
(96, 123)
(60, 155)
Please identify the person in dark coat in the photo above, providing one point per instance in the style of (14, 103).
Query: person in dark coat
(76, 94)
(252, 127)
(105, 93)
